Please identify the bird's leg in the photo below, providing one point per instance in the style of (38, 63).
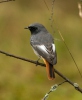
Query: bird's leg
(37, 61)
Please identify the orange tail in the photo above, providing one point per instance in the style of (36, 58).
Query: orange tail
(50, 70)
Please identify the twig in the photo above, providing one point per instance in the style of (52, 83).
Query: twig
(46, 4)
(53, 88)
(51, 17)
(6, 1)
(75, 85)
(21, 58)
(70, 53)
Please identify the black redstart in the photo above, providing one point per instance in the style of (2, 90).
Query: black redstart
(43, 45)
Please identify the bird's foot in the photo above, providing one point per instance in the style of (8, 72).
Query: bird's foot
(37, 61)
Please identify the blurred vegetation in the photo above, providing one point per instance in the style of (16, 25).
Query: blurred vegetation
(21, 80)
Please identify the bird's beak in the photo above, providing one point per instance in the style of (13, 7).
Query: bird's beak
(26, 28)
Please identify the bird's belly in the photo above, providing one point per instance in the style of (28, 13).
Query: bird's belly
(36, 52)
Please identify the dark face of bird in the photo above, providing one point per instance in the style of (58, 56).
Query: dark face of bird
(36, 28)
(33, 29)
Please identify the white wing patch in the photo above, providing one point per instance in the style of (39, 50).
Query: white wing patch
(53, 45)
(42, 48)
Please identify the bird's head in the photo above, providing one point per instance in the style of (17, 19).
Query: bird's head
(35, 28)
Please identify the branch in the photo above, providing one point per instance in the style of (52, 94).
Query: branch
(75, 85)
(6, 1)
(21, 58)
(53, 88)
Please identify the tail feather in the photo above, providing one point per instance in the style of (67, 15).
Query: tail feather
(49, 70)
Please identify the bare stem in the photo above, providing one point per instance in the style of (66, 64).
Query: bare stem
(75, 85)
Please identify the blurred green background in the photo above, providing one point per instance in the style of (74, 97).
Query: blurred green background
(21, 80)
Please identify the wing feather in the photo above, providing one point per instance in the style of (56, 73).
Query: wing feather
(48, 52)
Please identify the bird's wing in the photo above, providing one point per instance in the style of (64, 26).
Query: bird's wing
(48, 52)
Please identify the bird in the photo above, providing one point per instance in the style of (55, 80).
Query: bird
(43, 45)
